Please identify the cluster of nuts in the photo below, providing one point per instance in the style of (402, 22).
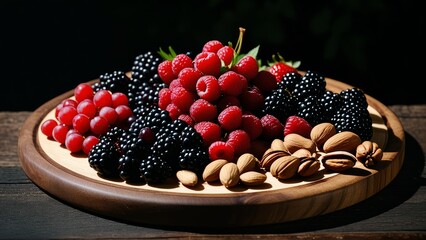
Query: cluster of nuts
(295, 155)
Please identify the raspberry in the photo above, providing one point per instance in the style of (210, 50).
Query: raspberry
(165, 71)
(252, 100)
(296, 124)
(203, 110)
(265, 81)
(189, 77)
(180, 62)
(186, 118)
(271, 127)
(208, 63)
(280, 69)
(230, 118)
(209, 131)
(182, 99)
(240, 141)
(175, 84)
(221, 150)
(226, 54)
(208, 88)
(212, 46)
(173, 110)
(164, 98)
(252, 125)
(232, 83)
(227, 101)
(247, 66)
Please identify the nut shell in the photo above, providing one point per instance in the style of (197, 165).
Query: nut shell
(270, 156)
(308, 167)
(285, 167)
(338, 161)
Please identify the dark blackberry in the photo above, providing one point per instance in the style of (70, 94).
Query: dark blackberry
(194, 159)
(154, 170)
(115, 133)
(104, 157)
(290, 80)
(312, 84)
(330, 102)
(129, 168)
(280, 104)
(167, 146)
(145, 65)
(116, 81)
(353, 114)
(190, 137)
(311, 110)
(133, 145)
(157, 118)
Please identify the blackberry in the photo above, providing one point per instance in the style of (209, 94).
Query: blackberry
(311, 110)
(145, 83)
(330, 102)
(167, 146)
(290, 80)
(116, 81)
(104, 157)
(312, 84)
(145, 65)
(129, 168)
(353, 114)
(280, 104)
(190, 137)
(157, 118)
(154, 170)
(194, 159)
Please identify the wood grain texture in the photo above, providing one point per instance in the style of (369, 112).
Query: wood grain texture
(279, 202)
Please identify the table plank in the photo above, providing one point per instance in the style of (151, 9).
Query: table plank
(396, 212)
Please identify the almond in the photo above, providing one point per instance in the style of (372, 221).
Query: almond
(247, 162)
(294, 142)
(342, 141)
(229, 175)
(187, 178)
(212, 170)
(321, 133)
(285, 167)
(252, 178)
(277, 144)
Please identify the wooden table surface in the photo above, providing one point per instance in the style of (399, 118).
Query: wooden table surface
(396, 212)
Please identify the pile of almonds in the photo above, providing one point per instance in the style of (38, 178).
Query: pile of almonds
(292, 156)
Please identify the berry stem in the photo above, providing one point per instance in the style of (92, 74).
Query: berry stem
(239, 41)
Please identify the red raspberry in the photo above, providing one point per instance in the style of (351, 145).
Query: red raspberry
(182, 99)
(164, 98)
(209, 131)
(265, 81)
(230, 118)
(173, 110)
(252, 125)
(296, 124)
(189, 77)
(180, 62)
(208, 88)
(221, 150)
(165, 71)
(271, 127)
(280, 69)
(226, 54)
(252, 100)
(240, 141)
(212, 46)
(203, 110)
(247, 66)
(186, 118)
(208, 63)
(232, 83)
(227, 101)
(175, 83)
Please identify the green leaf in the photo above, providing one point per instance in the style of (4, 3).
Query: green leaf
(167, 56)
(253, 52)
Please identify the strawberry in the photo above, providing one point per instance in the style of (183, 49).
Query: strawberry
(296, 124)
(279, 67)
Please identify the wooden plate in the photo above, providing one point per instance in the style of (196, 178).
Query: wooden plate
(70, 179)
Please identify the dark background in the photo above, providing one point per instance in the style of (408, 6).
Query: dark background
(48, 47)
